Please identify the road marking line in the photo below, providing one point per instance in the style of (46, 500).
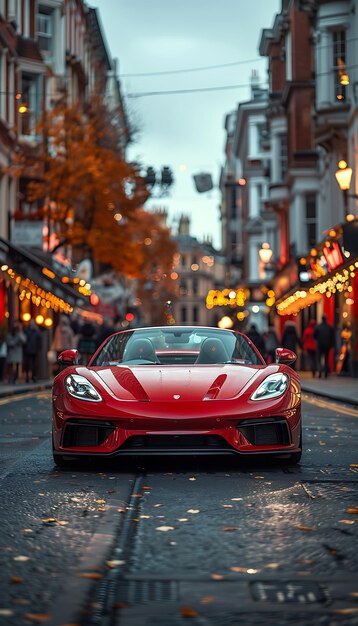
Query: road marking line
(23, 396)
(324, 404)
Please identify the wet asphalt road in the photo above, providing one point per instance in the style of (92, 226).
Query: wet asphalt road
(166, 541)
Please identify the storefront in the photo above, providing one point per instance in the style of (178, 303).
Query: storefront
(30, 289)
(328, 285)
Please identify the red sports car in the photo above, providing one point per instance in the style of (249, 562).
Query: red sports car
(176, 391)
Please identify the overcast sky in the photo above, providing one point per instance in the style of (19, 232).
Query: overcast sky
(185, 131)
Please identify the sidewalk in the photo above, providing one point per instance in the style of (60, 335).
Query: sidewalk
(21, 388)
(340, 388)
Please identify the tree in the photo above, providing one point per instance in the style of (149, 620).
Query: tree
(91, 195)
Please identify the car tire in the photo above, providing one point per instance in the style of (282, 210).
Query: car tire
(295, 457)
(58, 458)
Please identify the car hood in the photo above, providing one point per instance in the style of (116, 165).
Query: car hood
(166, 384)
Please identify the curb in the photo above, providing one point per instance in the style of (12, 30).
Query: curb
(20, 389)
(330, 396)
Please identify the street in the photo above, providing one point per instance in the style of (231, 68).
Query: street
(161, 541)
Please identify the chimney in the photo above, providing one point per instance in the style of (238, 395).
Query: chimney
(184, 225)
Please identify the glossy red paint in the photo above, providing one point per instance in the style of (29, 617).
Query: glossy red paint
(172, 409)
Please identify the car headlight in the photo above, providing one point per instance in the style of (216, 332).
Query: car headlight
(272, 387)
(81, 388)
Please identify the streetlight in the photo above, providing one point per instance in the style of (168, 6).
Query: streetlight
(265, 253)
(344, 177)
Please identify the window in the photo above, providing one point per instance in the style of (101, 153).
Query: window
(31, 98)
(195, 314)
(311, 219)
(233, 209)
(183, 287)
(183, 314)
(283, 157)
(339, 64)
(195, 286)
(45, 30)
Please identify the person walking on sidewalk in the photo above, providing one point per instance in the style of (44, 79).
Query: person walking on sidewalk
(309, 345)
(15, 341)
(290, 339)
(324, 335)
(31, 349)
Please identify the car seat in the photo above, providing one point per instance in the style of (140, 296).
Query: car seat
(140, 349)
(212, 351)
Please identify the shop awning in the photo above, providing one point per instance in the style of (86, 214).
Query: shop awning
(30, 274)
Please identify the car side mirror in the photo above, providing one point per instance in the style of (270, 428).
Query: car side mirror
(68, 357)
(285, 356)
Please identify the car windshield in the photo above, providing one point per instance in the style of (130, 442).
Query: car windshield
(177, 346)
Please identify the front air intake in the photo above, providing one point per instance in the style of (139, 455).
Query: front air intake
(86, 433)
(268, 432)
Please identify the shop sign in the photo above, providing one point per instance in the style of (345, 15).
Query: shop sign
(28, 233)
(227, 297)
(333, 256)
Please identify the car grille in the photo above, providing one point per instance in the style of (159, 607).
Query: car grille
(87, 434)
(175, 442)
(268, 432)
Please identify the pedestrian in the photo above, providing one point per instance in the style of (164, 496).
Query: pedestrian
(309, 345)
(64, 337)
(15, 341)
(3, 350)
(106, 329)
(256, 338)
(290, 338)
(31, 349)
(87, 343)
(324, 336)
(271, 343)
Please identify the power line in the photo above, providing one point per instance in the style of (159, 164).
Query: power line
(194, 69)
(141, 94)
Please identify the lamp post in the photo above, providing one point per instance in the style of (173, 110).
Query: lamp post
(344, 177)
(265, 253)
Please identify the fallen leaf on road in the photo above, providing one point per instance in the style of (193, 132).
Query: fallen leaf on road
(6, 613)
(137, 495)
(145, 487)
(38, 617)
(346, 521)
(236, 499)
(207, 599)
(193, 511)
(50, 520)
(146, 516)
(216, 576)
(346, 611)
(192, 478)
(102, 510)
(272, 565)
(27, 530)
(353, 465)
(227, 506)
(165, 528)
(353, 510)
(101, 501)
(306, 528)
(156, 505)
(21, 558)
(229, 529)
(90, 575)
(15, 580)
(183, 519)
(113, 564)
(187, 611)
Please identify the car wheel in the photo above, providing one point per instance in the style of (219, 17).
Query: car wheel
(58, 458)
(296, 456)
